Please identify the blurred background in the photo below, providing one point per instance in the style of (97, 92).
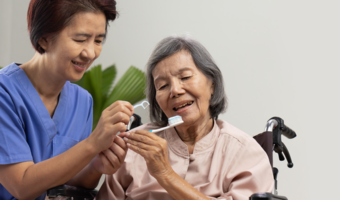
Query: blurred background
(278, 58)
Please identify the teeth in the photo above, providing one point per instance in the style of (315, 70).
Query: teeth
(188, 103)
(79, 64)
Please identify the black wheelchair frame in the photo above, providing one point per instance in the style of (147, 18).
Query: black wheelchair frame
(274, 129)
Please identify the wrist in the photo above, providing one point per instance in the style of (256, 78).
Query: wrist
(90, 147)
(167, 177)
(92, 169)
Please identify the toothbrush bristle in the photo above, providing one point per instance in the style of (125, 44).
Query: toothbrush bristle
(175, 119)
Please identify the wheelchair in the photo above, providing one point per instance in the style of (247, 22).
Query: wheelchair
(270, 140)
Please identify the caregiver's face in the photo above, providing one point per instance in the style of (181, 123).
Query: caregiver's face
(182, 89)
(76, 46)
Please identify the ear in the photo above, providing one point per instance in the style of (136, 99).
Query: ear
(43, 43)
(212, 89)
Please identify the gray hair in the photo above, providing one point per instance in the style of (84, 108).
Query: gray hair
(203, 61)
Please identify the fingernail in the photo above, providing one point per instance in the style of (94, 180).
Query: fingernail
(127, 134)
(126, 139)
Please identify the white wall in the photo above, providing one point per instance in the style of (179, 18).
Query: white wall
(278, 58)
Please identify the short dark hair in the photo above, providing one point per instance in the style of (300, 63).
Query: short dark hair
(203, 61)
(49, 17)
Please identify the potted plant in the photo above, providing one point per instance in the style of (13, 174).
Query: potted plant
(99, 83)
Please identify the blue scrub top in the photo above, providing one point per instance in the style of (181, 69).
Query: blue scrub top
(27, 132)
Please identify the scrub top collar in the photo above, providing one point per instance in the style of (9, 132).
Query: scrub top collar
(49, 123)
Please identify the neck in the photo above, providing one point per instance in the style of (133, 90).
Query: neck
(192, 134)
(41, 74)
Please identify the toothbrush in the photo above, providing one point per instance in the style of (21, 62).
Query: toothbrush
(173, 121)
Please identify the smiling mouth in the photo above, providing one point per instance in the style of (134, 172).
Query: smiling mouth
(183, 105)
(79, 64)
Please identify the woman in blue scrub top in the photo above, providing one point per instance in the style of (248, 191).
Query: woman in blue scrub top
(46, 121)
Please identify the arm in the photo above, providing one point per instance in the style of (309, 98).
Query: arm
(252, 172)
(106, 162)
(154, 150)
(18, 178)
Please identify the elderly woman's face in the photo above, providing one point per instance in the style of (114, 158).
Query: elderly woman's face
(182, 89)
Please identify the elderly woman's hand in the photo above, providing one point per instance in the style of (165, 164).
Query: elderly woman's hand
(153, 149)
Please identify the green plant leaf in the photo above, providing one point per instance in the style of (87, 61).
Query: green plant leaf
(99, 83)
(85, 82)
(129, 88)
(95, 75)
(109, 74)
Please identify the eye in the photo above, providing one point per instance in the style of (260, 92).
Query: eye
(80, 41)
(99, 41)
(162, 87)
(186, 78)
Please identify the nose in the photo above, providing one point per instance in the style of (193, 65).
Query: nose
(89, 52)
(176, 89)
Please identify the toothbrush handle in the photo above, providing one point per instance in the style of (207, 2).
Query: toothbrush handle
(160, 129)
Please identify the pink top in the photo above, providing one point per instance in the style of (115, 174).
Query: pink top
(226, 164)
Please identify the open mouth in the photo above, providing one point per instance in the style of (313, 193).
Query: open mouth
(183, 105)
(79, 64)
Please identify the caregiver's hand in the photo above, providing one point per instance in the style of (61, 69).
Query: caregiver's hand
(110, 160)
(113, 120)
(153, 149)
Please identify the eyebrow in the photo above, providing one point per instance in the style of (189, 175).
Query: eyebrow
(89, 35)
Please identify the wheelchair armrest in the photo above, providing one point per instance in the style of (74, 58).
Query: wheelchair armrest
(78, 193)
(266, 196)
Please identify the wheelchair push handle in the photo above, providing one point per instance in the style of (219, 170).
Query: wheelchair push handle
(288, 132)
(278, 123)
(277, 127)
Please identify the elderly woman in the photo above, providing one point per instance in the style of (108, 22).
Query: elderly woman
(46, 121)
(203, 158)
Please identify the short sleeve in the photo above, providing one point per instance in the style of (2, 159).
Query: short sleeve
(251, 172)
(13, 143)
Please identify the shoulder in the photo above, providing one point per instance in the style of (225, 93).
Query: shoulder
(235, 135)
(77, 89)
(10, 87)
(78, 92)
(9, 70)
(230, 130)
(7, 75)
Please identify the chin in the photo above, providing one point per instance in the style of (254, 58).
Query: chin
(75, 78)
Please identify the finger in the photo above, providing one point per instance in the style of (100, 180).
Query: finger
(143, 138)
(105, 162)
(138, 144)
(137, 149)
(123, 134)
(119, 117)
(118, 127)
(119, 141)
(118, 151)
(112, 158)
(147, 133)
(121, 105)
